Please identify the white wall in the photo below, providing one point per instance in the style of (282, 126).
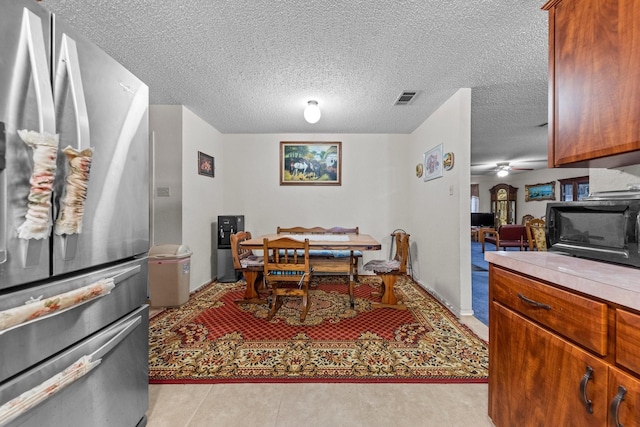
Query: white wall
(165, 129)
(536, 208)
(195, 201)
(373, 194)
(440, 208)
(613, 179)
(202, 196)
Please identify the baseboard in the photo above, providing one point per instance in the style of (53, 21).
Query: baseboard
(455, 310)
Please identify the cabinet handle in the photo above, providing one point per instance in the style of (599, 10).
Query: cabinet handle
(533, 303)
(615, 405)
(583, 389)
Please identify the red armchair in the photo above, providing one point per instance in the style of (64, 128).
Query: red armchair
(507, 236)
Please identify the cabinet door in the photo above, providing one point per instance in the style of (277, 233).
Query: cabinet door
(624, 397)
(538, 379)
(595, 78)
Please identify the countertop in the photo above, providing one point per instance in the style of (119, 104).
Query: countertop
(618, 284)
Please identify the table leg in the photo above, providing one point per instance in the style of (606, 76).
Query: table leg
(388, 295)
(353, 275)
(251, 295)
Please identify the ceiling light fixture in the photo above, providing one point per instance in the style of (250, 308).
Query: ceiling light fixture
(502, 173)
(312, 112)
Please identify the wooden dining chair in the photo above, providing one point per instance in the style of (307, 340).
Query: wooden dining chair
(287, 272)
(251, 266)
(389, 270)
(537, 235)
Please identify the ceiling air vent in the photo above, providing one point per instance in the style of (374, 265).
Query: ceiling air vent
(406, 97)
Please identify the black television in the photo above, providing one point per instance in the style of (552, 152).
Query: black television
(482, 219)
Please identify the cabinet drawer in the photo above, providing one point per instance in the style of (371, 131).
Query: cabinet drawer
(577, 318)
(628, 340)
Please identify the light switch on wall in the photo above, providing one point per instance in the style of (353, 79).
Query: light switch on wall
(451, 190)
(163, 191)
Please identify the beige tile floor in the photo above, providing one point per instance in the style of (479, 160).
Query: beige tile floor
(334, 405)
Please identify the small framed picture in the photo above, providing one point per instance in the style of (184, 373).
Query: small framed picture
(433, 163)
(206, 165)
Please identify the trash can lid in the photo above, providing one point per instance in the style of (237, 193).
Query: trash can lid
(169, 251)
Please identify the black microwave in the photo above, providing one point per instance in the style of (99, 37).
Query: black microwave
(602, 227)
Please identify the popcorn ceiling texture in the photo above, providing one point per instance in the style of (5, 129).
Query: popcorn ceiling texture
(250, 66)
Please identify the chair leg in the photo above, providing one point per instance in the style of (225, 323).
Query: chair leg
(276, 302)
(388, 294)
(304, 307)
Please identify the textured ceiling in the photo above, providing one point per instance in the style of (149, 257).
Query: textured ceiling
(250, 66)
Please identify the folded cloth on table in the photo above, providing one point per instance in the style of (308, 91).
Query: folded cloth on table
(382, 266)
(252, 261)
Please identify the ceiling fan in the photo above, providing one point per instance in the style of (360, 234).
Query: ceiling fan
(511, 166)
(503, 169)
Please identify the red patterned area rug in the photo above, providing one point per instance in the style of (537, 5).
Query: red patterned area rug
(210, 339)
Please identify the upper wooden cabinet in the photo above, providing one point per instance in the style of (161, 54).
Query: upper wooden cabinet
(594, 83)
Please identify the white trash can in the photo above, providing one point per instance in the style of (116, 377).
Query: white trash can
(169, 273)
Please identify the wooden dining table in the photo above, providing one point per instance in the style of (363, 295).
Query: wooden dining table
(342, 242)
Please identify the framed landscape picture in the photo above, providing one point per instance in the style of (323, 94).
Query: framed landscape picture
(310, 163)
(205, 165)
(546, 191)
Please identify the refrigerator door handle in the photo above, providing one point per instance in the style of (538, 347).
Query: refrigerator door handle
(33, 397)
(32, 34)
(3, 195)
(38, 394)
(124, 275)
(69, 69)
(33, 49)
(124, 330)
(35, 309)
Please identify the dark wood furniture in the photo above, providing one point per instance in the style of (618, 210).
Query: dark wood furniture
(389, 270)
(334, 261)
(503, 204)
(331, 261)
(287, 272)
(506, 236)
(594, 83)
(249, 265)
(344, 242)
(318, 230)
(537, 234)
(559, 356)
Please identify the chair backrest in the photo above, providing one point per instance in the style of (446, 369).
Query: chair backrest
(537, 235)
(511, 232)
(238, 252)
(317, 230)
(526, 218)
(402, 250)
(286, 260)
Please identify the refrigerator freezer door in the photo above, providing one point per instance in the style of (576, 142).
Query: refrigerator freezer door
(26, 102)
(113, 393)
(111, 118)
(25, 344)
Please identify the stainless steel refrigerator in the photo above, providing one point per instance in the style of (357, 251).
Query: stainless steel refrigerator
(74, 228)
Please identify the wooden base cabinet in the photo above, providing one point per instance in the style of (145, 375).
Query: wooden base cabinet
(624, 398)
(536, 377)
(539, 375)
